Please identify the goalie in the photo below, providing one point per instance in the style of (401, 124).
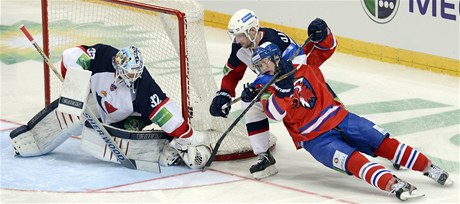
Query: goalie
(127, 99)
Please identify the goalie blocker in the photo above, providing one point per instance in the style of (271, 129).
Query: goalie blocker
(50, 128)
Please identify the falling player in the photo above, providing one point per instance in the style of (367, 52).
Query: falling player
(127, 99)
(246, 35)
(332, 135)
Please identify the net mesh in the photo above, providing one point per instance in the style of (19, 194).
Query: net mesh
(72, 23)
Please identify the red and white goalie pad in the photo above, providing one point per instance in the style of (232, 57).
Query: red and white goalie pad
(44, 132)
(137, 145)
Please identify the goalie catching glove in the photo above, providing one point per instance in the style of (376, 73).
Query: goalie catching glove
(194, 151)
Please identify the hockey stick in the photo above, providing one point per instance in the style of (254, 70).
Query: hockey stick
(265, 87)
(94, 122)
(257, 90)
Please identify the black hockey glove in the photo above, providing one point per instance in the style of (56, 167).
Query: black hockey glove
(285, 87)
(318, 30)
(249, 93)
(222, 97)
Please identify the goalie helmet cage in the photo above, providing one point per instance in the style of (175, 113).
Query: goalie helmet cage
(170, 35)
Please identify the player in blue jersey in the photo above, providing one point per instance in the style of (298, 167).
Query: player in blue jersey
(127, 98)
(247, 35)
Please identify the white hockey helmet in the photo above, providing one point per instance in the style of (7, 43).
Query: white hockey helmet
(241, 22)
(128, 64)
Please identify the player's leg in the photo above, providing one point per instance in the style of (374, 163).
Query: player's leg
(44, 132)
(404, 155)
(259, 135)
(374, 140)
(332, 150)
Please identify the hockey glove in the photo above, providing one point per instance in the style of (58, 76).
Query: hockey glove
(249, 93)
(222, 97)
(318, 30)
(285, 87)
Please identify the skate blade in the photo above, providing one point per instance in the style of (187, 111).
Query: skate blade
(414, 194)
(267, 172)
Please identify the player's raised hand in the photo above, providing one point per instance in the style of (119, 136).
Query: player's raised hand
(318, 30)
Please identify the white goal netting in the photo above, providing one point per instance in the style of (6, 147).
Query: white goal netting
(87, 22)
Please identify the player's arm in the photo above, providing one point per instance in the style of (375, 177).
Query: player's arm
(233, 72)
(152, 102)
(323, 43)
(75, 58)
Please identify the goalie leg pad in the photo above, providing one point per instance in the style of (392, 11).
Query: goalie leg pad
(147, 149)
(44, 132)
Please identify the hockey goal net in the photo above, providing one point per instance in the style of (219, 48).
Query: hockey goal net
(170, 34)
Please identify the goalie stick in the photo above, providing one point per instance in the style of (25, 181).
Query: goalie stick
(94, 122)
(265, 87)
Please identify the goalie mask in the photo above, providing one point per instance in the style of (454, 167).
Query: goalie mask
(263, 54)
(241, 23)
(128, 64)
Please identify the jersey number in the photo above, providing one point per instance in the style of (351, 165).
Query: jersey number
(154, 100)
(283, 37)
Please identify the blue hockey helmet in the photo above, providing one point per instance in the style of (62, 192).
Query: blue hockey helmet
(267, 51)
(128, 64)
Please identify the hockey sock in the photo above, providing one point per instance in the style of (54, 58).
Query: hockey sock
(402, 154)
(373, 173)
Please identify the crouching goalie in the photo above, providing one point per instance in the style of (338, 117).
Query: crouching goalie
(127, 99)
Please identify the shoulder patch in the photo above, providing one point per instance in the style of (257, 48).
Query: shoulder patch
(84, 61)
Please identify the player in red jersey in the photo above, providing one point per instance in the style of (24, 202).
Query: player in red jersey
(246, 35)
(334, 136)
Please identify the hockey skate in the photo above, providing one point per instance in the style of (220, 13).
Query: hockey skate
(265, 166)
(404, 190)
(439, 175)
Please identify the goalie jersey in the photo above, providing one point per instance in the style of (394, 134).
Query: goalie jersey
(115, 100)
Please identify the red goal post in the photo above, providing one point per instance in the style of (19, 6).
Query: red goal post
(170, 35)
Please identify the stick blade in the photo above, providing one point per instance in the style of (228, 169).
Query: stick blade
(148, 166)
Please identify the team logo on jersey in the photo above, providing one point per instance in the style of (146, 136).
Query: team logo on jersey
(103, 103)
(304, 95)
(380, 11)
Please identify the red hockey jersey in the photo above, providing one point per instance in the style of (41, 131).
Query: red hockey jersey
(310, 111)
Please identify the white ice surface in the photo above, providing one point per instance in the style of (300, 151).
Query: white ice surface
(69, 175)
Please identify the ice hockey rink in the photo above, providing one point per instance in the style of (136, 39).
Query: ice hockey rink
(418, 107)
